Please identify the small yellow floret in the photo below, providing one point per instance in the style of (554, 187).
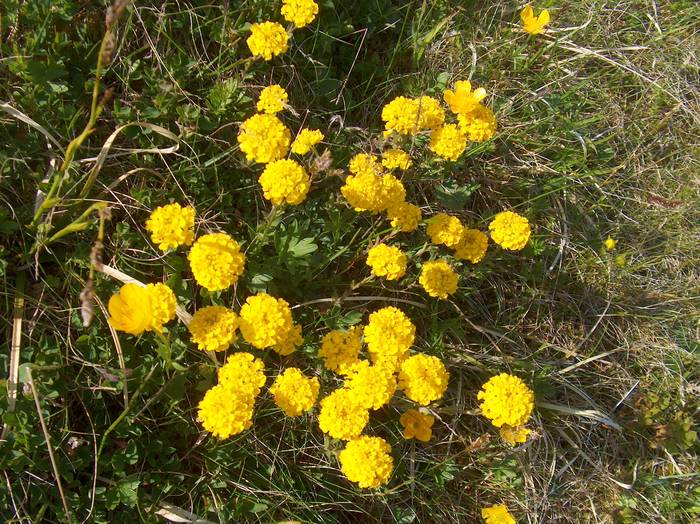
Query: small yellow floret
(513, 435)
(163, 305)
(266, 321)
(472, 246)
(396, 159)
(497, 515)
(610, 243)
(264, 138)
(506, 399)
(372, 386)
(417, 425)
(404, 216)
(216, 261)
(438, 279)
(294, 393)
(448, 142)
(244, 374)
(272, 99)
(284, 181)
(340, 350)
(299, 12)
(224, 413)
(213, 328)
(423, 378)
(341, 416)
(479, 125)
(387, 261)
(171, 226)
(372, 192)
(267, 39)
(510, 230)
(290, 343)
(367, 461)
(364, 164)
(408, 116)
(445, 229)
(306, 140)
(388, 335)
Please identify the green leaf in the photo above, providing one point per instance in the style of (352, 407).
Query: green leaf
(454, 195)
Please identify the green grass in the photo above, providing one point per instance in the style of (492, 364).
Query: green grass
(598, 127)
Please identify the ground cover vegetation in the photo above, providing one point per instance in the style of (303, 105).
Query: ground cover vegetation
(333, 262)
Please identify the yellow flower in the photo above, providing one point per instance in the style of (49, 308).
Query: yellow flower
(367, 461)
(266, 321)
(130, 309)
(479, 125)
(417, 425)
(387, 261)
(341, 349)
(243, 374)
(171, 226)
(267, 40)
(497, 515)
(272, 99)
(163, 305)
(371, 386)
(213, 328)
(472, 246)
(445, 229)
(388, 335)
(291, 342)
(463, 99)
(372, 192)
(223, 413)
(365, 164)
(284, 181)
(306, 140)
(299, 12)
(506, 399)
(438, 279)
(404, 216)
(513, 435)
(610, 243)
(423, 378)
(396, 159)
(448, 142)
(341, 416)
(216, 261)
(533, 25)
(510, 230)
(408, 116)
(264, 138)
(294, 393)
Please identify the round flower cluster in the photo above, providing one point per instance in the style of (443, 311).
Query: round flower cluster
(365, 164)
(404, 216)
(216, 261)
(367, 461)
(510, 230)
(135, 308)
(506, 399)
(396, 159)
(408, 116)
(272, 99)
(417, 425)
(387, 261)
(299, 12)
(372, 192)
(294, 393)
(438, 279)
(284, 181)
(264, 138)
(213, 328)
(306, 140)
(267, 39)
(388, 335)
(244, 373)
(497, 515)
(513, 435)
(342, 416)
(371, 386)
(445, 229)
(479, 125)
(448, 142)
(266, 321)
(340, 350)
(472, 246)
(223, 413)
(290, 343)
(423, 378)
(171, 226)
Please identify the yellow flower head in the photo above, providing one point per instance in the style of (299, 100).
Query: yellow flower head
(367, 461)
(365, 164)
(243, 374)
(223, 413)
(388, 335)
(341, 415)
(423, 378)
(396, 159)
(265, 321)
(438, 279)
(497, 515)
(294, 393)
(610, 243)
(472, 246)
(506, 399)
(291, 342)
(213, 328)
(513, 435)
(408, 116)
(163, 305)
(130, 309)
(445, 229)
(479, 125)
(531, 24)
(306, 140)
(216, 261)
(267, 40)
(272, 99)
(371, 192)
(448, 142)
(340, 350)
(284, 181)
(264, 138)
(510, 230)
(371, 386)
(463, 100)
(417, 425)
(387, 261)
(404, 216)
(299, 12)
(171, 226)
